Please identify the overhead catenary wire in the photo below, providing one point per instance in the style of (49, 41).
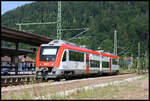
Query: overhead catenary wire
(59, 27)
(36, 23)
(75, 29)
(79, 34)
(42, 23)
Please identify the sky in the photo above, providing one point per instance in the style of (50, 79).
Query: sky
(10, 5)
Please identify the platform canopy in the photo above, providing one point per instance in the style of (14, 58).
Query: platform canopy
(15, 35)
(8, 51)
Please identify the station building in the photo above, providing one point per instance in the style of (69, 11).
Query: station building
(25, 63)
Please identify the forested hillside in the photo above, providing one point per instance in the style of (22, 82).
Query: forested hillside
(131, 20)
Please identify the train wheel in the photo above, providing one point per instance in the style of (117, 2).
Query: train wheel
(69, 76)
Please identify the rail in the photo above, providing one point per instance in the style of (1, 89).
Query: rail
(26, 79)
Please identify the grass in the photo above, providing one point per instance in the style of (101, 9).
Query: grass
(146, 75)
(107, 92)
(122, 91)
(121, 70)
(95, 94)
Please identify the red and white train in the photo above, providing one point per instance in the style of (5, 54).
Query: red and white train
(60, 59)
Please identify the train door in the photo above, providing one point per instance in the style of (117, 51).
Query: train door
(87, 64)
(110, 65)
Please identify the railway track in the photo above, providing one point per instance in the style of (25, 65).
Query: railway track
(30, 79)
(21, 83)
(16, 80)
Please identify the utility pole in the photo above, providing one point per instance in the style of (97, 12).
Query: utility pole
(115, 42)
(59, 27)
(59, 21)
(131, 61)
(138, 66)
(145, 58)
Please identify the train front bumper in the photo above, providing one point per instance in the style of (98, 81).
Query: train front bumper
(44, 73)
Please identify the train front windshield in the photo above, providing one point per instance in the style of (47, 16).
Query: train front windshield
(48, 53)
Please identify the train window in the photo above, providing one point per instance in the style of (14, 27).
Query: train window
(76, 56)
(94, 63)
(49, 51)
(114, 62)
(64, 56)
(105, 64)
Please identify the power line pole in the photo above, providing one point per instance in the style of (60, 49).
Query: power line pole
(115, 42)
(145, 60)
(59, 21)
(138, 66)
(59, 27)
(131, 61)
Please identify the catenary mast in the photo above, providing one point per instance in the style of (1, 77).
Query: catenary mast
(59, 21)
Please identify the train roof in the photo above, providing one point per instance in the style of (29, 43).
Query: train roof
(76, 47)
(89, 51)
(60, 42)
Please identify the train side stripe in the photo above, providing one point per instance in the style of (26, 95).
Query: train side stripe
(89, 51)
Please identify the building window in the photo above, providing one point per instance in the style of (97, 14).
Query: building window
(76, 56)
